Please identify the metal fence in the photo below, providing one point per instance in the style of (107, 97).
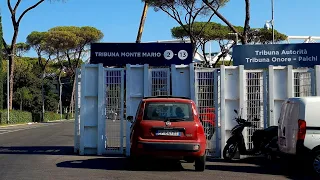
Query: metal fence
(302, 83)
(114, 110)
(205, 100)
(207, 96)
(160, 81)
(254, 97)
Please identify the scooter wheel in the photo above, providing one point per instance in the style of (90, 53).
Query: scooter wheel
(229, 151)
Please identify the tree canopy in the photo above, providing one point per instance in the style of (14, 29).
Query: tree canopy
(186, 12)
(64, 42)
(208, 31)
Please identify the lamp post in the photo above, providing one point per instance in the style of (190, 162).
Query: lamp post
(60, 100)
(271, 22)
(8, 88)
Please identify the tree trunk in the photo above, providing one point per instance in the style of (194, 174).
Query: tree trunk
(43, 98)
(60, 94)
(246, 23)
(72, 94)
(11, 64)
(20, 103)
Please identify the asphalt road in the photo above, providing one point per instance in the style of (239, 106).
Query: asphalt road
(45, 151)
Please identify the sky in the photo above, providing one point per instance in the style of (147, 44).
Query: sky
(119, 19)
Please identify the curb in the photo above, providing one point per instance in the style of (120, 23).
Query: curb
(31, 123)
(12, 125)
(60, 120)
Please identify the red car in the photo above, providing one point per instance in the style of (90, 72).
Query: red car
(168, 127)
(208, 120)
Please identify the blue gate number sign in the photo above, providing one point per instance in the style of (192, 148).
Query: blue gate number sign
(154, 54)
(261, 56)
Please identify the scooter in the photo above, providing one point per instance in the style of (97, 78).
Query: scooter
(264, 140)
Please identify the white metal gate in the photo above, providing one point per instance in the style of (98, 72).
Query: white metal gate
(254, 102)
(114, 104)
(207, 91)
(303, 82)
(159, 81)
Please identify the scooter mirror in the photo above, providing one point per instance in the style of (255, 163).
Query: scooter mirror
(235, 111)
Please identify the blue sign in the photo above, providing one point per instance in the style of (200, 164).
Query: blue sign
(261, 56)
(154, 54)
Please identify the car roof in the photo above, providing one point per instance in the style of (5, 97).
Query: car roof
(166, 99)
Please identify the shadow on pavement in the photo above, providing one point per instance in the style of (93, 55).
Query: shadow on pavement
(122, 163)
(257, 165)
(46, 150)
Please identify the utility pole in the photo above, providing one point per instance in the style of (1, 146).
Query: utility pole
(142, 21)
(60, 100)
(272, 19)
(8, 90)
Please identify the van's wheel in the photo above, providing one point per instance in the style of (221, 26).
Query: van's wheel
(200, 163)
(316, 162)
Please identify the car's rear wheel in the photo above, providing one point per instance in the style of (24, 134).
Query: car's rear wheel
(200, 163)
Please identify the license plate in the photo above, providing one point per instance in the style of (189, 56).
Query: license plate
(167, 133)
(283, 141)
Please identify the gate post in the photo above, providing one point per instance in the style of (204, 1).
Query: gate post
(77, 120)
(192, 82)
(101, 110)
(243, 98)
(317, 79)
(217, 109)
(290, 79)
(82, 98)
(146, 79)
(265, 92)
(272, 122)
(128, 108)
(222, 107)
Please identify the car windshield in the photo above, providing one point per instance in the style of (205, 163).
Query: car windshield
(172, 111)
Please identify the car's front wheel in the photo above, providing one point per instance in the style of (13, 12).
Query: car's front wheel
(200, 163)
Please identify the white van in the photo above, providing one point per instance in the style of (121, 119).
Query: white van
(299, 128)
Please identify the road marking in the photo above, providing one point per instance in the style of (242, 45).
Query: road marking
(15, 130)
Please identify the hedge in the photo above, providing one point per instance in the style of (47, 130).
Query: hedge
(16, 117)
(51, 116)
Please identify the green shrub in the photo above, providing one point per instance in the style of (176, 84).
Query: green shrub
(226, 63)
(16, 117)
(51, 116)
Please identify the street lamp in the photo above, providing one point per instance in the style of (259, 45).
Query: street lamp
(60, 100)
(271, 22)
(8, 88)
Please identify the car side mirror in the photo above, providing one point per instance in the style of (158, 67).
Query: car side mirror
(130, 119)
